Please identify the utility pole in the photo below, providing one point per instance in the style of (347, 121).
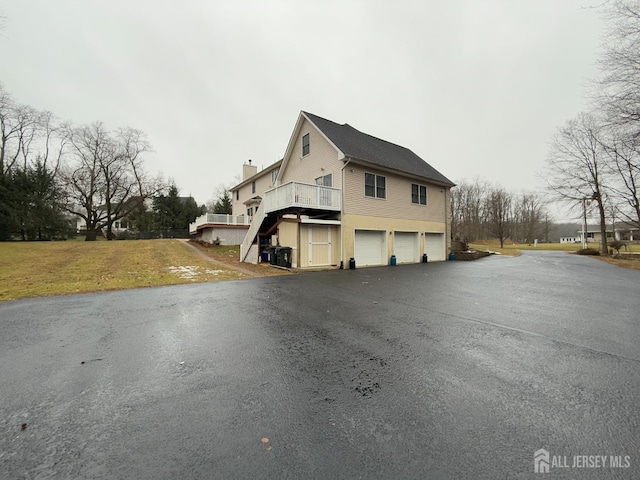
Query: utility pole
(584, 222)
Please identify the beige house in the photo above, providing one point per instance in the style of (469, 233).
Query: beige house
(340, 194)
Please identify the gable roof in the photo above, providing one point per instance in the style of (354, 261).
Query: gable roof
(375, 151)
(259, 174)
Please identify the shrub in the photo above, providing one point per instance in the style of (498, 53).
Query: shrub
(588, 251)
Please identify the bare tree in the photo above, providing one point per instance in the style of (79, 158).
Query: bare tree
(467, 210)
(620, 64)
(623, 148)
(106, 180)
(528, 217)
(577, 165)
(499, 214)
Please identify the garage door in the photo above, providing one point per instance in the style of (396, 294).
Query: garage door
(406, 247)
(370, 248)
(434, 246)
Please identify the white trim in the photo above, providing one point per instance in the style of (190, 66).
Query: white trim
(320, 222)
(294, 135)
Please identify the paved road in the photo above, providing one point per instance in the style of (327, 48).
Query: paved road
(448, 370)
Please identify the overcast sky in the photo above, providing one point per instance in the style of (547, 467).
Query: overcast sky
(475, 88)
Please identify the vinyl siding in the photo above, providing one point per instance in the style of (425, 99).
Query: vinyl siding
(322, 155)
(398, 202)
(263, 183)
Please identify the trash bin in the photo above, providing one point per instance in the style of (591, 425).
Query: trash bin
(352, 263)
(452, 256)
(264, 256)
(393, 261)
(284, 257)
(425, 259)
(273, 255)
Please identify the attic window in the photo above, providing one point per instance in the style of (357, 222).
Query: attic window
(305, 145)
(238, 194)
(253, 187)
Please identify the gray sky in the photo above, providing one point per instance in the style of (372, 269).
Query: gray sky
(476, 88)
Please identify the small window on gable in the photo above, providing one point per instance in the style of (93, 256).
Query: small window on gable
(375, 186)
(253, 187)
(238, 194)
(418, 194)
(305, 145)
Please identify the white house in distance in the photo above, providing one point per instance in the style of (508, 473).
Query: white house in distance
(340, 194)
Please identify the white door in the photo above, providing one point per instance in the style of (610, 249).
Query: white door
(319, 245)
(370, 248)
(406, 247)
(434, 247)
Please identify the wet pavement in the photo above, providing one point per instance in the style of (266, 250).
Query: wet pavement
(444, 370)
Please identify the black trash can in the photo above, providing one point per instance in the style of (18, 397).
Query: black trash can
(284, 257)
(273, 255)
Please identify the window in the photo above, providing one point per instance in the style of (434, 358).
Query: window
(375, 186)
(238, 194)
(305, 145)
(325, 181)
(418, 194)
(253, 187)
(274, 176)
(250, 212)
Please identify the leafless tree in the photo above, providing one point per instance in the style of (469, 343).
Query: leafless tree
(623, 148)
(106, 180)
(467, 210)
(499, 214)
(528, 218)
(619, 87)
(577, 165)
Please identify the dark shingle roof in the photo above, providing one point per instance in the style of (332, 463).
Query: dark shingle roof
(375, 151)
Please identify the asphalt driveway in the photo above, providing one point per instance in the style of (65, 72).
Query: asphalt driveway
(445, 370)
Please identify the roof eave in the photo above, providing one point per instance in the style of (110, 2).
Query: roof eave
(366, 163)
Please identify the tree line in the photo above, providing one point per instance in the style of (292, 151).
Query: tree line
(480, 210)
(595, 157)
(53, 173)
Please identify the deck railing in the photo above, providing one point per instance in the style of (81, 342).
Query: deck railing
(303, 195)
(218, 219)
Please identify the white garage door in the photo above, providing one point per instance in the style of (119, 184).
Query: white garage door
(370, 248)
(406, 247)
(434, 246)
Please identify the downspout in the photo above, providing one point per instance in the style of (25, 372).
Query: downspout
(342, 214)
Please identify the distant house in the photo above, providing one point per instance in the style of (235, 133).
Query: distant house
(570, 239)
(340, 194)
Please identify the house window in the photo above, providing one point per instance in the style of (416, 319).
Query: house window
(237, 194)
(325, 181)
(253, 187)
(250, 212)
(274, 176)
(418, 194)
(375, 186)
(305, 145)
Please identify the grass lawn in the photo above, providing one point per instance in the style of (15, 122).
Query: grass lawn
(34, 269)
(626, 261)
